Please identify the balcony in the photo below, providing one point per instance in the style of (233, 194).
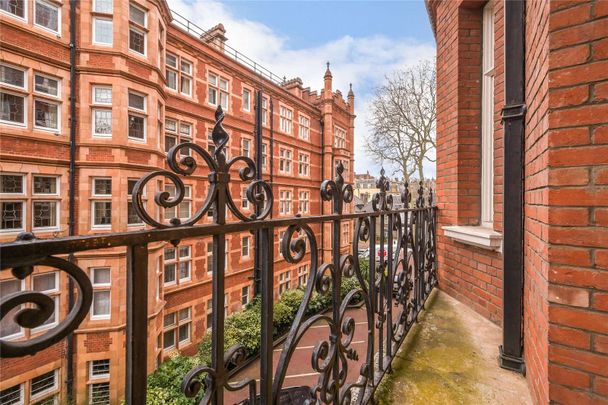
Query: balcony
(337, 352)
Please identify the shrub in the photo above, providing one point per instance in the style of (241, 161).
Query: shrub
(292, 299)
(164, 385)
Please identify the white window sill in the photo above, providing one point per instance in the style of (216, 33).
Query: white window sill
(485, 238)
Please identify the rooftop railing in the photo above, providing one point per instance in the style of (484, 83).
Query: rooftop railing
(400, 257)
(200, 33)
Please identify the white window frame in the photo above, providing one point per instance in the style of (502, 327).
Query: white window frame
(303, 274)
(95, 7)
(285, 201)
(47, 129)
(304, 201)
(133, 25)
(21, 390)
(25, 14)
(139, 113)
(90, 390)
(246, 107)
(340, 135)
(286, 119)
(25, 10)
(284, 281)
(101, 287)
(23, 183)
(304, 164)
(100, 106)
(187, 199)
(102, 376)
(57, 79)
(105, 198)
(304, 130)
(25, 109)
(245, 246)
(57, 185)
(95, 40)
(285, 160)
(49, 4)
(48, 390)
(487, 118)
(21, 332)
(245, 298)
(55, 227)
(248, 141)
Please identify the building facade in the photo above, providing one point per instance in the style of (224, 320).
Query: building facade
(564, 242)
(133, 85)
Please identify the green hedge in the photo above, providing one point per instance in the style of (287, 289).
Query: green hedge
(244, 327)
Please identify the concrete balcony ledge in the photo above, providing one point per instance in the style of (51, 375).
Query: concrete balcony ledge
(451, 357)
(479, 236)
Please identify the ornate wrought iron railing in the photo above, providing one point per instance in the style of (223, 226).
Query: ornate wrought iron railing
(402, 273)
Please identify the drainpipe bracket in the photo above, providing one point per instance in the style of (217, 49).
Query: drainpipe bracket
(513, 111)
(512, 363)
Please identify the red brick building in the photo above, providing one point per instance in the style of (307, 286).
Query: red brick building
(563, 243)
(139, 84)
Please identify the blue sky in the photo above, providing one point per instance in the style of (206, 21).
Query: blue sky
(363, 40)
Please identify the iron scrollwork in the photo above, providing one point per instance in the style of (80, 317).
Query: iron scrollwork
(35, 308)
(259, 193)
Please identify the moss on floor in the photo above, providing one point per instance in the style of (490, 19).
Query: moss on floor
(437, 364)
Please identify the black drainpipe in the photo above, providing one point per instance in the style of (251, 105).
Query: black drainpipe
(322, 174)
(72, 198)
(258, 257)
(271, 146)
(513, 115)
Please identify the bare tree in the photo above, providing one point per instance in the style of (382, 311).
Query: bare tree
(402, 120)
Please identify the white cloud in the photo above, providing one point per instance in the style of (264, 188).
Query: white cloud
(363, 61)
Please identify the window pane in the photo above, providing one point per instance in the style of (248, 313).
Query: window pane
(137, 15)
(99, 394)
(16, 7)
(100, 368)
(42, 383)
(132, 216)
(101, 303)
(46, 114)
(137, 41)
(169, 273)
(47, 16)
(169, 319)
(101, 276)
(130, 186)
(103, 186)
(46, 85)
(171, 79)
(7, 325)
(45, 282)
(137, 101)
(12, 395)
(12, 215)
(136, 127)
(102, 31)
(102, 122)
(184, 314)
(103, 213)
(11, 184)
(45, 185)
(103, 6)
(169, 339)
(45, 214)
(212, 99)
(172, 60)
(102, 95)
(12, 108)
(185, 85)
(184, 251)
(184, 332)
(184, 270)
(169, 254)
(12, 76)
(224, 100)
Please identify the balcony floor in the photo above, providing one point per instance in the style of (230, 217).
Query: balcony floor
(450, 357)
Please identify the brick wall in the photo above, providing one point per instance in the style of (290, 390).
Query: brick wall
(577, 199)
(535, 199)
(473, 275)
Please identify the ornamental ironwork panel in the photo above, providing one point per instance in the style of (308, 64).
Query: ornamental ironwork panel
(397, 246)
